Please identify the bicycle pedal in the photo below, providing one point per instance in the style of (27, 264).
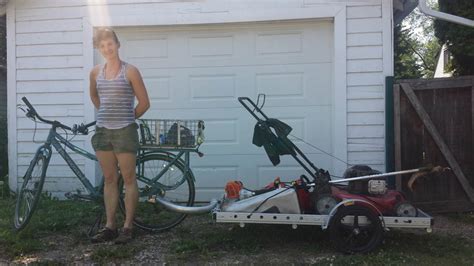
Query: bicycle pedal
(77, 196)
(70, 195)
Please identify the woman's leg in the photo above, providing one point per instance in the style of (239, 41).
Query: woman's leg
(108, 163)
(127, 168)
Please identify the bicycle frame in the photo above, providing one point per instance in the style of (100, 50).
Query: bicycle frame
(55, 139)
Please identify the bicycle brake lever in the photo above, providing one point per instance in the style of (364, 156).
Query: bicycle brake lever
(74, 129)
(83, 129)
(30, 114)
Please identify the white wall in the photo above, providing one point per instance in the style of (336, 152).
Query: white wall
(50, 46)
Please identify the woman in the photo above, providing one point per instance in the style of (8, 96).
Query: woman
(113, 88)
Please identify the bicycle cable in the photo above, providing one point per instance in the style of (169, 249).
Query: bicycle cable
(67, 140)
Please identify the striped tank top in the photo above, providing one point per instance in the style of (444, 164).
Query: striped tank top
(117, 100)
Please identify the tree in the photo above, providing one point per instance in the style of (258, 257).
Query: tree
(459, 39)
(416, 47)
(406, 63)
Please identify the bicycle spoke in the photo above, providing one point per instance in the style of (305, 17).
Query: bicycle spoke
(162, 175)
(29, 193)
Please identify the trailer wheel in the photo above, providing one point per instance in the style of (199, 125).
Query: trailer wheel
(355, 229)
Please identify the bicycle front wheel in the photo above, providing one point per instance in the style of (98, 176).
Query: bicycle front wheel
(28, 195)
(175, 185)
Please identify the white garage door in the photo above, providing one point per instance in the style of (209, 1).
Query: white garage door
(197, 72)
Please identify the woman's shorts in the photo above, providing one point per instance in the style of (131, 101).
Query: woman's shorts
(122, 140)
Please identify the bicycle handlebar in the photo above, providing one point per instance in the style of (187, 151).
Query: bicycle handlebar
(83, 129)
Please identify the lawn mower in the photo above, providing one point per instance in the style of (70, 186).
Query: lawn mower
(356, 209)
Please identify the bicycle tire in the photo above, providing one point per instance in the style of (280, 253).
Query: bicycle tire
(152, 216)
(29, 193)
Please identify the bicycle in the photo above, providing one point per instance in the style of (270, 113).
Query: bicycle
(161, 172)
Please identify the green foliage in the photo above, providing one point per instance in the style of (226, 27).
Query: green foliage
(458, 38)
(406, 63)
(416, 47)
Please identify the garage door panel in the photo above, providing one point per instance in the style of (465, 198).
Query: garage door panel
(212, 86)
(295, 84)
(311, 41)
(309, 124)
(149, 48)
(289, 169)
(235, 61)
(231, 130)
(298, 43)
(198, 72)
(279, 43)
(255, 171)
(159, 88)
(222, 131)
(292, 85)
(211, 46)
(214, 171)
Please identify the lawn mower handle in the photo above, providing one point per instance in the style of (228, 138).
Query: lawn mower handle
(243, 100)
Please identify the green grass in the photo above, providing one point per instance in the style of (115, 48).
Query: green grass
(51, 217)
(400, 247)
(198, 241)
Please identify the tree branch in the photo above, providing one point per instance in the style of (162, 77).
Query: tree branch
(416, 52)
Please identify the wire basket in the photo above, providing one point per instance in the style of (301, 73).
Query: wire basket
(164, 132)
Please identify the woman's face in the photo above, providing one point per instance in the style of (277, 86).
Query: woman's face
(109, 48)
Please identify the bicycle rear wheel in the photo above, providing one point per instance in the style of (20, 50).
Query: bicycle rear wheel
(175, 185)
(29, 193)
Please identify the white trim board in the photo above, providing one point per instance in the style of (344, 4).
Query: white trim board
(235, 16)
(11, 97)
(89, 109)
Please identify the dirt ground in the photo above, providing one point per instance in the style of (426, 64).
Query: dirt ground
(159, 248)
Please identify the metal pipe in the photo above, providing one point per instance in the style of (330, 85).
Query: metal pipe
(378, 175)
(444, 16)
(185, 209)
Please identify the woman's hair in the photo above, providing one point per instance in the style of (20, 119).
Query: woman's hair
(104, 33)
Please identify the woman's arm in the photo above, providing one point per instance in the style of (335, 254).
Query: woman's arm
(139, 89)
(93, 87)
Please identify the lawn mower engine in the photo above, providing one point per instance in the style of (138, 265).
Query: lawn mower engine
(372, 193)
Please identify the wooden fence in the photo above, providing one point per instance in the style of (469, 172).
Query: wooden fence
(434, 124)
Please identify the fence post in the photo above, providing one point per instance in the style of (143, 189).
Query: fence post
(389, 134)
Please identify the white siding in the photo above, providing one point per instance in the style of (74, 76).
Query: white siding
(52, 59)
(50, 73)
(365, 85)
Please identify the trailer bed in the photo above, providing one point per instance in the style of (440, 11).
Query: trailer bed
(422, 221)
